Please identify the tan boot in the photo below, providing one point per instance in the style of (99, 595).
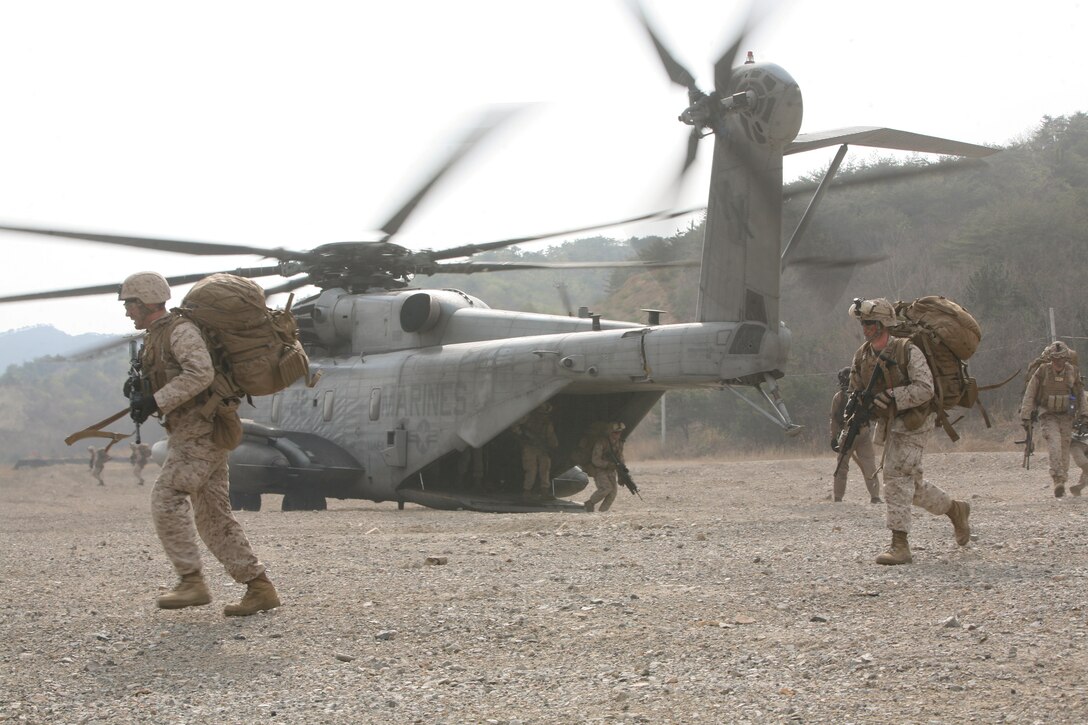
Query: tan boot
(958, 513)
(260, 596)
(898, 552)
(191, 591)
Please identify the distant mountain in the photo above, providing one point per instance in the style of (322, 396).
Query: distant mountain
(28, 343)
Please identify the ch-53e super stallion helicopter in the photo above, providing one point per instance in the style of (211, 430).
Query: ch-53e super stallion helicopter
(417, 382)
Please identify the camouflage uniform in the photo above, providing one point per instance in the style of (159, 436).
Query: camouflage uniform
(1079, 452)
(607, 452)
(862, 452)
(192, 486)
(903, 447)
(139, 456)
(1059, 395)
(537, 436)
(99, 456)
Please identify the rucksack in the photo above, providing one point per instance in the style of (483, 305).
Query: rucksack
(948, 336)
(582, 456)
(255, 348)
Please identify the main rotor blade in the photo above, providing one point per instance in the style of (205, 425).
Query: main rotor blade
(473, 267)
(827, 263)
(470, 249)
(99, 289)
(95, 350)
(288, 286)
(887, 174)
(164, 245)
(678, 74)
(487, 124)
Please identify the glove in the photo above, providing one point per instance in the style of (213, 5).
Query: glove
(883, 400)
(142, 408)
(835, 444)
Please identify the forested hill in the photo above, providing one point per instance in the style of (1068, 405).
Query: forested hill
(1007, 241)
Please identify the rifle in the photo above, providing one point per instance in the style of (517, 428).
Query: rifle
(137, 387)
(1029, 440)
(622, 472)
(859, 410)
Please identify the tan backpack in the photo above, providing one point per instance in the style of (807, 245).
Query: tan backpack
(948, 336)
(255, 348)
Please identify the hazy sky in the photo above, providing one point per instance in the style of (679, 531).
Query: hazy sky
(294, 124)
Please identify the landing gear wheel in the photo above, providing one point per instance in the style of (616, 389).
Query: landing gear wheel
(245, 501)
(303, 501)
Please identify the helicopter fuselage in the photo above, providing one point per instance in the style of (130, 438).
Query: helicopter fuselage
(407, 404)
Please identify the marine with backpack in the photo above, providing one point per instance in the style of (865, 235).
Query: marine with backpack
(1055, 394)
(901, 392)
(184, 384)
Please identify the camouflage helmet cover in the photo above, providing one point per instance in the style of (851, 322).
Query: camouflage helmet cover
(148, 287)
(1057, 350)
(876, 310)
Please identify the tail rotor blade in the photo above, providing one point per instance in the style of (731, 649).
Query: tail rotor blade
(678, 74)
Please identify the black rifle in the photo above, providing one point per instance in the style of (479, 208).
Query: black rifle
(622, 472)
(859, 411)
(1029, 440)
(137, 387)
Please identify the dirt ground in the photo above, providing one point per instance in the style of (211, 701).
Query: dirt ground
(731, 592)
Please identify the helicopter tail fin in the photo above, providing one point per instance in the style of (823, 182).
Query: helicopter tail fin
(741, 265)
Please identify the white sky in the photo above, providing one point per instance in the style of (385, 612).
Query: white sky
(293, 124)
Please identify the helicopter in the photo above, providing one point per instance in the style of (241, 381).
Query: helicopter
(417, 390)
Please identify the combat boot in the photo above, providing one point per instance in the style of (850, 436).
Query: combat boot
(898, 552)
(1076, 489)
(260, 595)
(191, 591)
(958, 513)
(588, 506)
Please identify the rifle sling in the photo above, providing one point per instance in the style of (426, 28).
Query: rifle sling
(95, 431)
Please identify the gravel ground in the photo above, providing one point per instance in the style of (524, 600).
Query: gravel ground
(732, 593)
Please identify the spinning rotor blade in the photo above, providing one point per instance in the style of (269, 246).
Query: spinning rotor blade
(705, 112)
(473, 267)
(101, 348)
(288, 286)
(165, 245)
(489, 123)
(827, 263)
(678, 74)
(723, 67)
(470, 249)
(116, 286)
(888, 174)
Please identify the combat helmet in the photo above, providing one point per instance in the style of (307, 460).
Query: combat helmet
(149, 287)
(876, 310)
(844, 377)
(1057, 350)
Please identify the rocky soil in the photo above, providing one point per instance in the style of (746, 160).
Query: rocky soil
(733, 592)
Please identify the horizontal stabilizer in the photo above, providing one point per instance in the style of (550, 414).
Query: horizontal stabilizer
(886, 138)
